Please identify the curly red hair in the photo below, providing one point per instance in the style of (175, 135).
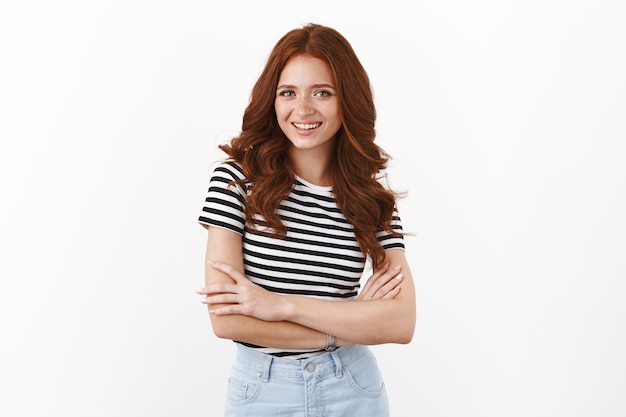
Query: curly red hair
(358, 162)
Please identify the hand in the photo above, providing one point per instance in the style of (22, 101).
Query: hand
(383, 284)
(244, 297)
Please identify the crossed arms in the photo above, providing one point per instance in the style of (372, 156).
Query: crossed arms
(384, 311)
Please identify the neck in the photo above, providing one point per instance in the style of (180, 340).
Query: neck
(313, 168)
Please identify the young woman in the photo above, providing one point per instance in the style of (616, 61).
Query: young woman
(293, 215)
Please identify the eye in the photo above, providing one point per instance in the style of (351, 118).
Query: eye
(323, 93)
(286, 93)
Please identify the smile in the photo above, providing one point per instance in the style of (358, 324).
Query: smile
(306, 126)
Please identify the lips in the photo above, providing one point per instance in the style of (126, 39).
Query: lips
(306, 126)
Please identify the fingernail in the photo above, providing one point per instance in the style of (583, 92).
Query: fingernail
(399, 277)
(397, 268)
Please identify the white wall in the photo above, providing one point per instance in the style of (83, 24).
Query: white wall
(507, 124)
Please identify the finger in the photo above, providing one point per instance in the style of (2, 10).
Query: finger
(378, 287)
(389, 286)
(218, 289)
(392, 294)
(223, 311)
(228, 270)
(369, 288)
(221, 299)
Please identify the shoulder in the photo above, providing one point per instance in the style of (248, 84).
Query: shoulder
(229, 169)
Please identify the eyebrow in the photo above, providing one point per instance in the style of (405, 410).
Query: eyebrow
(286, 86)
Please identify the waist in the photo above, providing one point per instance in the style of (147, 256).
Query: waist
(330, 361)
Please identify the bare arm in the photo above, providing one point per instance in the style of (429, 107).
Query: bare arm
(226, 246)
(365, 321)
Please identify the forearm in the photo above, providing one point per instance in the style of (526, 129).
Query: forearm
(241, 310)
(305, 321)
(275, 334)
(368, 322)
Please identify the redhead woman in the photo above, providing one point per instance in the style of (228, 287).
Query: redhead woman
(294, 213)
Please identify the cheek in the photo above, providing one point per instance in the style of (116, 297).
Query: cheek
(333, 110)
(281, 111)
(281, 117)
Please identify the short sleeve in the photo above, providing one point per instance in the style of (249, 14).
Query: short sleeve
(389, 241)
(224, 205)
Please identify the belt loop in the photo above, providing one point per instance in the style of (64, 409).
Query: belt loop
(265, 375)
(338, 365)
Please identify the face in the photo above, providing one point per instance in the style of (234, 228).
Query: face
(307, 106)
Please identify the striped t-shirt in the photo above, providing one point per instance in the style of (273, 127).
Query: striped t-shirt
(319, 257)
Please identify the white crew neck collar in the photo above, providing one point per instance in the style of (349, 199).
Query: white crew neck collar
(314, 186)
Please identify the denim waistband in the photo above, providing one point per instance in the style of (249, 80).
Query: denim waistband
(328, 362)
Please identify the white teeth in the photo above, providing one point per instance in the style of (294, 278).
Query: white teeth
(306, 126)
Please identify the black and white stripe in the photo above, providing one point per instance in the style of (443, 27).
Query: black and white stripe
(319, 257)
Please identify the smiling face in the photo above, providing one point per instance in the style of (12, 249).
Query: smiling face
(307, 106)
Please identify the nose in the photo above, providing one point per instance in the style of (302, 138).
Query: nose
(304, 106)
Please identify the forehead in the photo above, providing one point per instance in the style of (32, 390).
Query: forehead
(303, 69)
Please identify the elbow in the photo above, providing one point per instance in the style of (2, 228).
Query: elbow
(225, 326)
(222, 327)
(405, 337)
(400, 336)
(220, 331)
(404, 334)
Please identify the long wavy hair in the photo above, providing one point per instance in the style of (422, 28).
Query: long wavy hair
(358, 163)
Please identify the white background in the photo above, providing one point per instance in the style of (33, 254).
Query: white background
(506, 121)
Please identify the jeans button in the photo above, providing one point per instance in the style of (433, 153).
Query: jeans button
(310, 367)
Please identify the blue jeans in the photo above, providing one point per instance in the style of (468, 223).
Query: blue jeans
(343, 383)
